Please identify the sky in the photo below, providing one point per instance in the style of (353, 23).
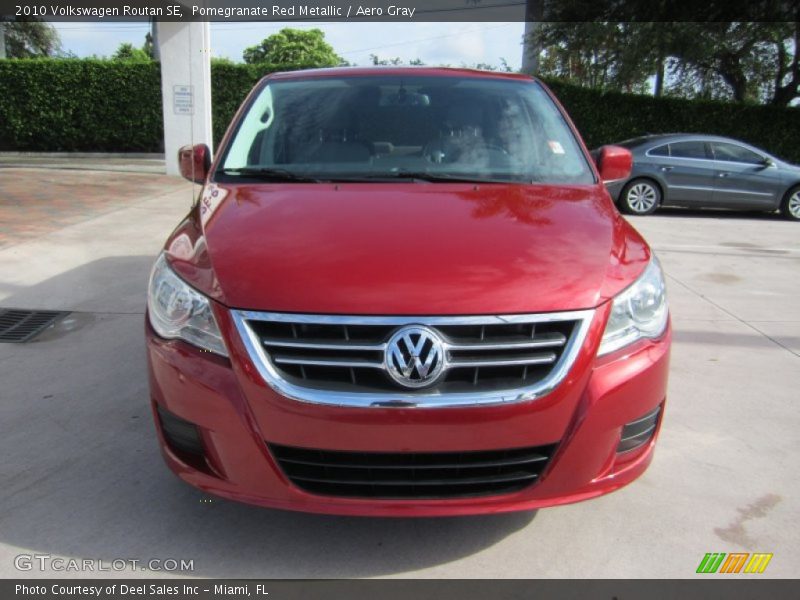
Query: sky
(434, 43)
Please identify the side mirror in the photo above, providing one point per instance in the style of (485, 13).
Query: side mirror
(614, 162)
(768, 162)
(195, 162)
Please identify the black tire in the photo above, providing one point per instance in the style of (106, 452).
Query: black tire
(790, 207)
(640, 197)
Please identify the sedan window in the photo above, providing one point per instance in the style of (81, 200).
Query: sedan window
(688, 150)
(660, 150)
(735, 153)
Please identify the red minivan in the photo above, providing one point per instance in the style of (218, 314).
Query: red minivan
(406, 292)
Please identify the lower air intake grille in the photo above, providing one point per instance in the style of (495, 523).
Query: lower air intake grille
(637, 433)
(182, 436)
(412, 475)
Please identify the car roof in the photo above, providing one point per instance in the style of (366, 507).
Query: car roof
(394, 70)
(662, 138)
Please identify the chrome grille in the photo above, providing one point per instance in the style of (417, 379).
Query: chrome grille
(341, 360)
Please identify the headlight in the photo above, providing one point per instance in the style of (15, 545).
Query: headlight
(178, 311)
(638, 312)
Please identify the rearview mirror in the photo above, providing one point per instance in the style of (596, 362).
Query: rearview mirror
(614, 162)
(195, 162)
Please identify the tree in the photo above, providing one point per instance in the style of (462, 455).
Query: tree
(29, 38)
(396, 61)
(787, 72)
(294, 46)
(149, 47)
(503, 67)
(596, 54)
(127, 51)
(737, 59)
(744, 62)
(531, 42)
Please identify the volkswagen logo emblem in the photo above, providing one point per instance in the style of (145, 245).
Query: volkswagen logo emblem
(415, 356)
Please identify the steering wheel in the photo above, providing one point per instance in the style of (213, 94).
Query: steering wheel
(437, 153)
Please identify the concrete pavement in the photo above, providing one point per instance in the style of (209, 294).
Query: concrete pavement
(85, 161)
(37, 201)
(82, 477)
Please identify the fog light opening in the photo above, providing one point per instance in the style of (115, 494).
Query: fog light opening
(639, 432)
(183, 438)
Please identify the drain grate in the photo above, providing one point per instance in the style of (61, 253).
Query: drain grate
(18, 325)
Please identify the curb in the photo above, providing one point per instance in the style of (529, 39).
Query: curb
(68, 155)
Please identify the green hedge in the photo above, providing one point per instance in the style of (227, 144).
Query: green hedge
(112, 106)
(90, 105)
(49, 105)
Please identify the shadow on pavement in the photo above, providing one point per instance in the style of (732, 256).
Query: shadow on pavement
(82, 476)
(718, 213)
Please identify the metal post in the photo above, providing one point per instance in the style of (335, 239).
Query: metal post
(154, 38)
(534, 11)
(2, 40)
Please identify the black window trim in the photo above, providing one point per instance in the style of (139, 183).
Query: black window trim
(706, 149)
(235, 125)
(710, 152)
(761, 155)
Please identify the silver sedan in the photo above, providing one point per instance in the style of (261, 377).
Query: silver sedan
(701, 171)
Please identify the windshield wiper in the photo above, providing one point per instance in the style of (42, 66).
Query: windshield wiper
(435, 177)
(270, 174)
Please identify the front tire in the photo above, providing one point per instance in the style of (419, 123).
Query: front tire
(790, 207)
(640, 197)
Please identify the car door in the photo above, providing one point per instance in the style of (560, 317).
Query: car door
(688, 171)
(743, 178)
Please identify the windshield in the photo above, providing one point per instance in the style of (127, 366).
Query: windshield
(365, 128)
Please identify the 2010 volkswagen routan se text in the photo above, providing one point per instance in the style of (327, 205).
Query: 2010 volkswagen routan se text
(406, 292)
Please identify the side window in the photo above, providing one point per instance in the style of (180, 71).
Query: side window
(688, 150)
(734, 153)
(660, 150)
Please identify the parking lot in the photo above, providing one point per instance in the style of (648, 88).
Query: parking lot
(82, 477)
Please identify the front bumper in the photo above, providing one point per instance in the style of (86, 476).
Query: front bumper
(237, 415)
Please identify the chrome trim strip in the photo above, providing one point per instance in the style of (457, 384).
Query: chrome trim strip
(316, 346)
(633, 437)
(699, 188)
(729, 191)
(553, 342)
(421, 398)
(547, 343)
(716, 189)
(670, 157)
(320, 362)
(717, 160)
(537, 360)
(411, 320)
(649, 415)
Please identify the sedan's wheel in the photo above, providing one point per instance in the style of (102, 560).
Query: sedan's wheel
(640, 197)
(791, 204)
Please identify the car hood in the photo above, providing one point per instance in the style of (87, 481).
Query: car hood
(409, 248)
